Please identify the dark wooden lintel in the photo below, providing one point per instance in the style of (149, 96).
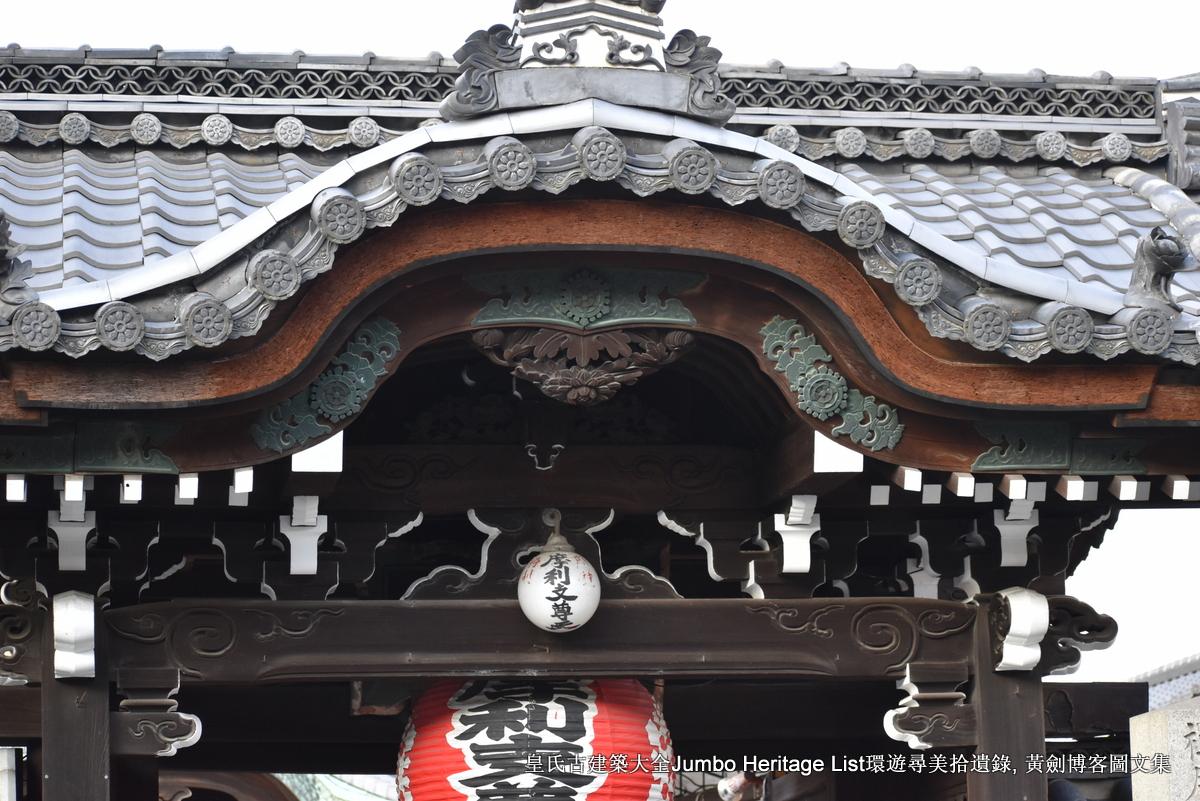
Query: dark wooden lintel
(236, 642)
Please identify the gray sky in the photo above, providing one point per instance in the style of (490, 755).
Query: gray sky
(1127, 39)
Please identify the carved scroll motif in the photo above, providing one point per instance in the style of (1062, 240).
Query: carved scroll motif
(891, 630)
(18, 642)
(1074, 626)
(784, 618)
(693, 55)
(483, 55)
(299, 623)
(934, 714)
(193, 640)
(147, 721)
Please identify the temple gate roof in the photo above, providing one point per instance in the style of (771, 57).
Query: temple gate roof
(1037, 200)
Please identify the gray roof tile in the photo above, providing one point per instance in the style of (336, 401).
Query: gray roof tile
(84, 219)
(1076, 230)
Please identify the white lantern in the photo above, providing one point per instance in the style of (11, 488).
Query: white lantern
(559, 590)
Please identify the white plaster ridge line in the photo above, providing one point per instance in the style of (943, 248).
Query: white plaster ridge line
(218, 249)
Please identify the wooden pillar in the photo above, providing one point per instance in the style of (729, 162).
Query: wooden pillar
(75, 728)
(1009, 710)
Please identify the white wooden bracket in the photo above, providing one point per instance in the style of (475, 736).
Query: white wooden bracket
(796, 528)
(1030, 620)
(72, 537)
(1014, 536)
(303, 529)
(74, 616)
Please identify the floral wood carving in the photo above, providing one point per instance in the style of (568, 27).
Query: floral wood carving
(823, 392)
(582, 369)
(338, 393)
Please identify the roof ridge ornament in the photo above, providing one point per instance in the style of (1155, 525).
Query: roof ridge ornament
(615, 51)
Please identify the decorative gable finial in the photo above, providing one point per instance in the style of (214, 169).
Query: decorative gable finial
(616, 51)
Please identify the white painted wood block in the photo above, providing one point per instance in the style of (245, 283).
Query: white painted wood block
(1181, 488)
(881, 494)
(1128, 488)
(1014, 486)
(325, 457)
(304, 510)
(985, 492)
(74, 616)
(961, 484)
(907, 478)
(73, 486)
(800, 513)
(931, 494)
(1071, 488)
(15, 490)
(189, 486)
(243, 480)
(131, 488)
(830, 456)
(238, 498)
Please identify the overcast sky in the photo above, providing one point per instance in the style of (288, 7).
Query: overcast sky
(1076, 38)
(1126, 39)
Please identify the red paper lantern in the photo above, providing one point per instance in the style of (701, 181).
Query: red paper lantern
(536, 740)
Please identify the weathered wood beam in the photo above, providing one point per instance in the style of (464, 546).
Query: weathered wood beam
(237, 641)
(1010, 717)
